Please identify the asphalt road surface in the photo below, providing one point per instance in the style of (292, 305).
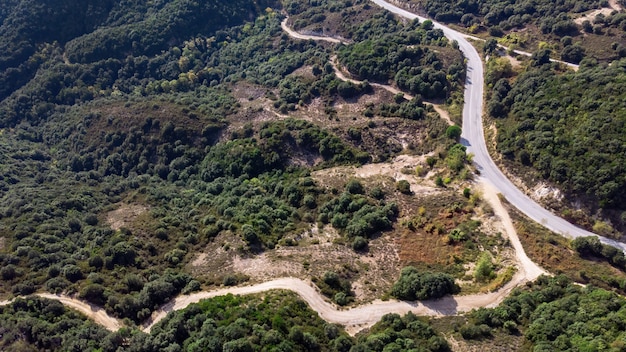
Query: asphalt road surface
(474, 139)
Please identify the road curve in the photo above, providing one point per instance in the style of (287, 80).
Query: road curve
(474, 139)
(93, 312)
(354, 319)
(294, 34)
(297, 35)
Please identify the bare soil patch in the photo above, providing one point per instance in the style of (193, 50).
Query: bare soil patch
(381, 137)
(384, 174)
(615, 5)
(606, 11)
(317, 251)
(515, 63)
(125, 215)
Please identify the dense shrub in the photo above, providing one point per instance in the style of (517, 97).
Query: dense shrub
(415, 285)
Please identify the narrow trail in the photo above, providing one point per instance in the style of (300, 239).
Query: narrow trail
(474, 139)
(525, 53)
(358, 318)
(528, 269)
(93, 312)
(339, 72)
(297, 35)
(98, 314)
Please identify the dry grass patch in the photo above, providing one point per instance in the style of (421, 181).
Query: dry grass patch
(554, 253)
(317, 252)
(125, 215)
(499, 342)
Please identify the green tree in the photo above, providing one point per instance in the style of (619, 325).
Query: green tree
(484, 268)
(415, 285)
(490, 46)
(454, 132)
(403, 186)
(354, 186)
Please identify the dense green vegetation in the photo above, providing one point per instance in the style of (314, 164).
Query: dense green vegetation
(414, 56)
(35, 324)
(534, 25)
(275, 321)
(396, 333)
(589, 247)
(93, 31)
(356, 214)
(92, 122)
(548, 15)
(555, 315)
(415, 285)
(415, 69)
(150, 104)
(553, 252)
(336, 286)
(279, 321)
(570, 128)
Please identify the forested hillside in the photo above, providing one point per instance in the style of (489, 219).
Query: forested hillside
(138, 137)
(276, 321)
(570, 127)
(140, 106)
(94, 31)
(554, 315)
(550, 16)
(566, 125)
(571, 29)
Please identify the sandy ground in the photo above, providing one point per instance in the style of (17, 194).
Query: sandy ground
(124, 215)
(613, 6)
(591, 15)
(297, 35)
(528, 270)
(96, 313)
(392, 169)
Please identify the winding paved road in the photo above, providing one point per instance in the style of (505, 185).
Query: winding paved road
(474, 139)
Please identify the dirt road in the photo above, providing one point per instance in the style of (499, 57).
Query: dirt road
(95, 313)
(297, 35)
(339, 73)
(354, 319)
(98, 314)
(615, 5)
(528, 270)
